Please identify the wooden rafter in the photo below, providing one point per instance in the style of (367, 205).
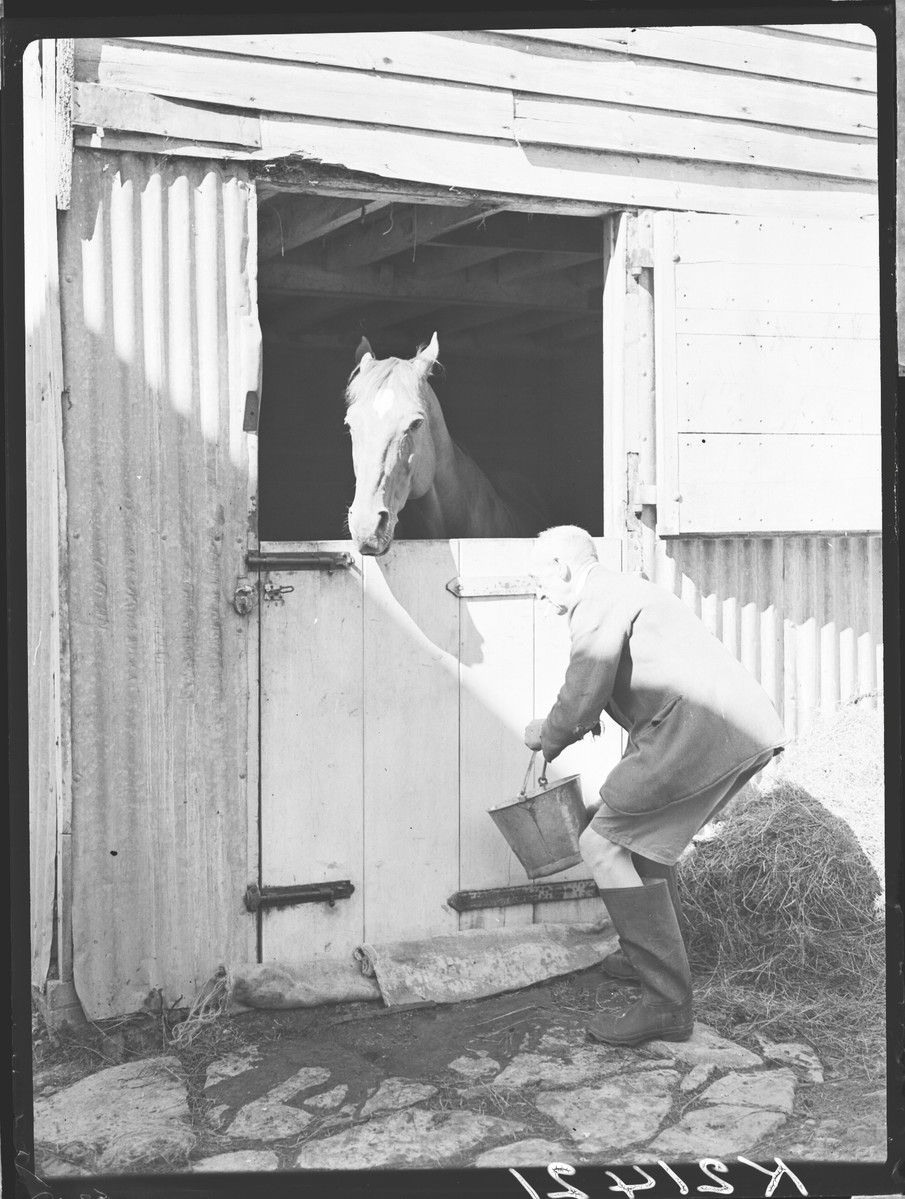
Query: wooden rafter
(407, 226)
(291, 222)
(526, 265)
(537, 233)
(382, 282)
(432, 261)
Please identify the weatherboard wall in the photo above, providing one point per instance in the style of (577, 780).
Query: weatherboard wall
(728, 119)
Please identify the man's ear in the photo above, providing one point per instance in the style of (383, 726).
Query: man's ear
(563, 569)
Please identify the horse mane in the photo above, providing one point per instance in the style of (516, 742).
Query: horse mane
(378, 372)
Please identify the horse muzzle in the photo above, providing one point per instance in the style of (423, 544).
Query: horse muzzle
(373, 537)
(375, 549)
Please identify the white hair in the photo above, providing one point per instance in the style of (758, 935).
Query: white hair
(566, 543)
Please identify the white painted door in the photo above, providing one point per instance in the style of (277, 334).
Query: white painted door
(392, 718)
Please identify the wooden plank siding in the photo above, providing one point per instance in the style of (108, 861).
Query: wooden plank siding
(768, 375)
(735, 119)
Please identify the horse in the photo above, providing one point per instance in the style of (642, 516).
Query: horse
(404, 457)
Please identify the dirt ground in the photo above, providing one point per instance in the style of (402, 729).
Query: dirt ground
(842, 1118)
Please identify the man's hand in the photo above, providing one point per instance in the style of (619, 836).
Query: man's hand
(533, 733)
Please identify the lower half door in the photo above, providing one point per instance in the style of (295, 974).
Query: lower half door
(393, 712)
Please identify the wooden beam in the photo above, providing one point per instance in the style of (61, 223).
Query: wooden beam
(376, 283)
(114, 108)
(455, 320)
(327, 179)
(521, 324)
(377, 317)
(524, 266)
(432, 261)
(527, 232)
(406, 228)
(612, 180)
(298, 220)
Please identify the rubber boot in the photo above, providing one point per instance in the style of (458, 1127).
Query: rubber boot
(617, 964)
(648, 930)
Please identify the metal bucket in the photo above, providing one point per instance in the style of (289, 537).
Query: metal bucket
(543, 829)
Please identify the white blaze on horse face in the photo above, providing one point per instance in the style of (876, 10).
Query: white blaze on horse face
(384, 401)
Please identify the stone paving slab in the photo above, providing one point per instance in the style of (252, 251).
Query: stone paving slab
(327, 1100)
(769, 1089)
(479, 1066)
(585, 1064)
(267, 1120)
(396, 1093)
(535, 1151)
(119, 1118)
(705, 1045)
(252, 1160)
(717, 1131)
(617, 1113)
(410, 1138)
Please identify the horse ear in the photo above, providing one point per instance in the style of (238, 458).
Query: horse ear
(428, 356)
(363, 353)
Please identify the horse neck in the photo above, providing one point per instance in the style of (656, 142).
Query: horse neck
(461, 498)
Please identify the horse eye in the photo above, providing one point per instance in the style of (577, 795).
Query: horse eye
(416, 424)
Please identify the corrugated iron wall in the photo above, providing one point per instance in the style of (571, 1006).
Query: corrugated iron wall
(804, 614)
(48, 782)
(158, 260)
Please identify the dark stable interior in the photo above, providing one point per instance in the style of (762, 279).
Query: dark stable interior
(515, 300)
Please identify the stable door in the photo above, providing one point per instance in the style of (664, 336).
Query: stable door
(394, 696)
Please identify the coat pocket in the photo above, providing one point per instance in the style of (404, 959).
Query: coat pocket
(661, 715)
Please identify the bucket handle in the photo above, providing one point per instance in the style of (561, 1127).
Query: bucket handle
(542, 781)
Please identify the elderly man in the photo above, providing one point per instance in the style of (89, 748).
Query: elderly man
(699, 727)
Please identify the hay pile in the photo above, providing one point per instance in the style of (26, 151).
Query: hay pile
(781, 904)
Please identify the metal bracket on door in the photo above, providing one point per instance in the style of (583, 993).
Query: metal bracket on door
(303, 560)
(274, 593)
(283, 897)
(470, 588)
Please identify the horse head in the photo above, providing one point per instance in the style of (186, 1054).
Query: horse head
(389, 414)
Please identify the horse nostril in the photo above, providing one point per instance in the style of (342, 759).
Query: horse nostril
(383, 518)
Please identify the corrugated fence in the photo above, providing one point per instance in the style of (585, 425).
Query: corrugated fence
(803, 614)
(157, 259)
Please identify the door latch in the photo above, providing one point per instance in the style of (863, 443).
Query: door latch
(280, 897)
(244, 596)
(274, 593)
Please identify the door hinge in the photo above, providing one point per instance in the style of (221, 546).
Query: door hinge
(283, 897)
(245, 596)
(644, 494)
